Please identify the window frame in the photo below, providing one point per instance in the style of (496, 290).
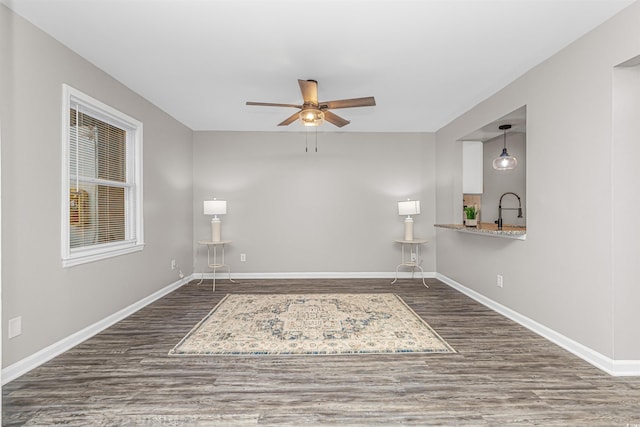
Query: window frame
(134, 224)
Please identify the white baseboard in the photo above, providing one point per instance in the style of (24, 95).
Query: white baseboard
(600, 361)
(315, 275)
(23, 366)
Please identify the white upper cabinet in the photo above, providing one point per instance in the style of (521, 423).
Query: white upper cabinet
(472, 170)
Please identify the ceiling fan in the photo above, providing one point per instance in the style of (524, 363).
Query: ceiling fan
(312, 112)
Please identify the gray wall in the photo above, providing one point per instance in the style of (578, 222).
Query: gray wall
(574, 272)
(626, 205)
(330, 211)
(55, 302)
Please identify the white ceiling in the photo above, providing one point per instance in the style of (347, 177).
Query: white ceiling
(426, 62)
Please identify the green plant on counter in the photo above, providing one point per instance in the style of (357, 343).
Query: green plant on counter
(470, 212)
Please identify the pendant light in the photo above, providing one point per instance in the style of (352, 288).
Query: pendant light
(505, 162)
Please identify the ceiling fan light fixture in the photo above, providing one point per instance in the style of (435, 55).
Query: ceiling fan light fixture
(311, 117)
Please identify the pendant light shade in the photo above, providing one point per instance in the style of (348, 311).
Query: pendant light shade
(505, 161)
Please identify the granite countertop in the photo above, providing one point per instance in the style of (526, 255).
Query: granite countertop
(490, 229)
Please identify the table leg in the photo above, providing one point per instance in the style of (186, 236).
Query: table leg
(418, 262)
(413, 264)
(396, 279)
(214, 268)
(228, 267)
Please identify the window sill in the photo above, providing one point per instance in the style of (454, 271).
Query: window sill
(97, 256)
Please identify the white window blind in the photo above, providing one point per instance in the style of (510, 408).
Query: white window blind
(102, 212)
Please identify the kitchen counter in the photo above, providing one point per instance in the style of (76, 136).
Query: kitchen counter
(489, 229)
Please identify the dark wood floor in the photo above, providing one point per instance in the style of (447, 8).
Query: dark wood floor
(502, 374)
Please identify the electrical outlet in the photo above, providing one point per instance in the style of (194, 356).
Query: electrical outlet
(173, 264)
(413, 257)
(243, 257)
(15, 327)
(499, 280)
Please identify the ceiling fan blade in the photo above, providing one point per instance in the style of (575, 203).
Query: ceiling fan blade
(335, 119)
(292, 118)
(271, 104)
(309, 89)
(368, 101)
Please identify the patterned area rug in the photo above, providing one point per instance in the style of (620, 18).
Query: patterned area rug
(311, 324)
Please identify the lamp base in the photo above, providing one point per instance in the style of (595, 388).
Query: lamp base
(408, 228)
(215, 229)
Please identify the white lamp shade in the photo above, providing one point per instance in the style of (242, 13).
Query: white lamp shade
(215, 207)
(409, 207)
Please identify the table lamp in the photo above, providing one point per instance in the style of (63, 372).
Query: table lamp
(408, 208)
(215, 207)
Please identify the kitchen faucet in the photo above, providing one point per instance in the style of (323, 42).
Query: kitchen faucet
(500, 208)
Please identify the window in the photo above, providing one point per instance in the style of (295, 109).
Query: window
(102, 181)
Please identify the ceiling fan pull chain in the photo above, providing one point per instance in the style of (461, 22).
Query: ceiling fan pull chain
(316, 139)
(306, 141)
